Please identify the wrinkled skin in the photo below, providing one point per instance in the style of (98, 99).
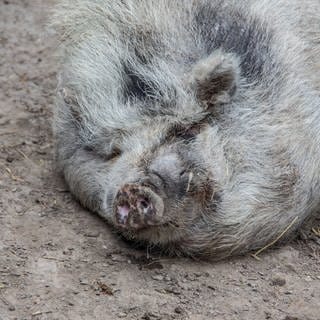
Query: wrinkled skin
(192, 125)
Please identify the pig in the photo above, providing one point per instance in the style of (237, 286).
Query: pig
(191, 126)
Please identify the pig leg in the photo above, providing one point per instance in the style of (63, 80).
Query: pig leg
(134, 206)
(87, 177)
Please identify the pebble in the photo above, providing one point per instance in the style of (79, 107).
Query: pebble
(157, 277)
(278, 281)
(84, 282)
(9, 159)
(92, 234)
(118, 258)
(178, 310)
(167, 278)
(121, 315)
(211, 287)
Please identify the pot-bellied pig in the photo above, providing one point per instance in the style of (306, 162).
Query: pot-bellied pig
(191, 125)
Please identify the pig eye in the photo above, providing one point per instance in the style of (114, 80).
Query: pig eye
(189, 133)
(107, 155)
(116, 152)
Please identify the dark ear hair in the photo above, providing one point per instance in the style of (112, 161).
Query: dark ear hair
(215, 78)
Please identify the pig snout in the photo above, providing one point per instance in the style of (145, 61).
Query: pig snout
(137, 207)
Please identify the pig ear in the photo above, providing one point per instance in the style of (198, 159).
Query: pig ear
(215, 79)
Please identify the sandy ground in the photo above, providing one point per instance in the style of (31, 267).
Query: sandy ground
(58, 261)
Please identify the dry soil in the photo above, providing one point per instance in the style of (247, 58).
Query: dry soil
(58, 261)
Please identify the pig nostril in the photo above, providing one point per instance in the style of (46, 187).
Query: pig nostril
(144, 203)
(123, 213)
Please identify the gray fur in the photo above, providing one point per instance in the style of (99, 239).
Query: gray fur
(241, 162)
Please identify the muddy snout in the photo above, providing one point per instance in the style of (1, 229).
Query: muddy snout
(137, 207)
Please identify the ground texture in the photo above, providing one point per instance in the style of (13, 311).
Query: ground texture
(58, 261)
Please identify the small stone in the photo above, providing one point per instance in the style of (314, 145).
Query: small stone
(178, 310)
(278, 281)
(121, 315)
(173, 290)
(83, 282)
(118, 258)
(9, 159)
(92, 234)
(146, 316)
(157, 277)
(167, 278)
(150, 316)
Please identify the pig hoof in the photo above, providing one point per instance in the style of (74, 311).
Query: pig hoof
(137, 207)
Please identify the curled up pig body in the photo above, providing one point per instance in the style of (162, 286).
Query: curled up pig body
(193, 126)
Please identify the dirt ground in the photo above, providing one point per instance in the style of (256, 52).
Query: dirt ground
(58, 261)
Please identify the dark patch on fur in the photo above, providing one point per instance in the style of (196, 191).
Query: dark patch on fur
(235, 33)
(152, 99)
(142, 49)
(135, 86)
(184, 133)
(144, 46)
